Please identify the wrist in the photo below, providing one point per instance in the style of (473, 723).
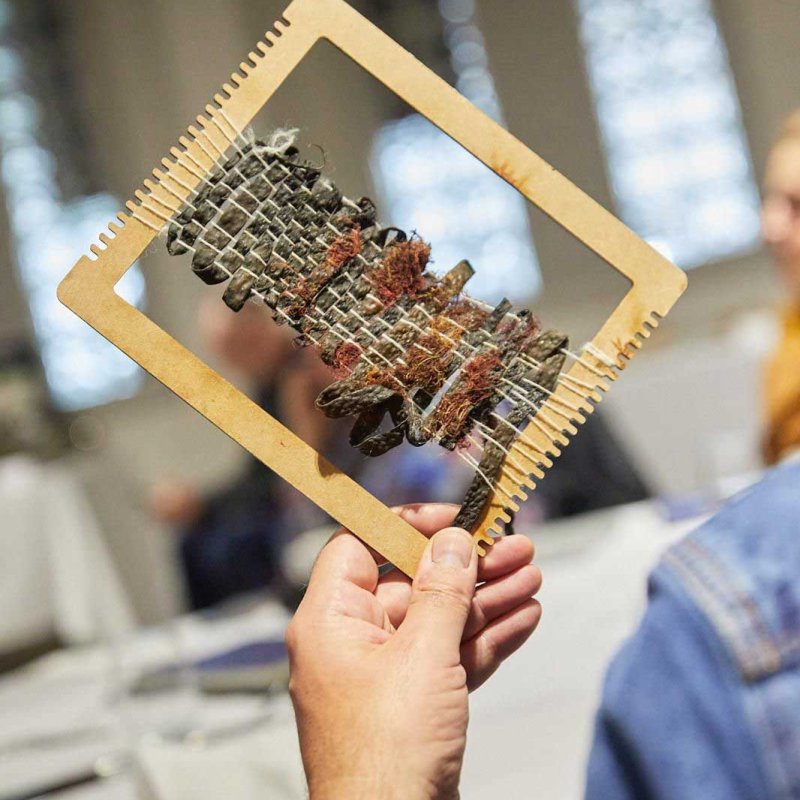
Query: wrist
(372, 768)
(373, 787)
(360, 788)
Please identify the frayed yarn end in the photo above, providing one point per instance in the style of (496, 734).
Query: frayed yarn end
(346, 356)
(281, 140)
(475, 384)
(400, 271)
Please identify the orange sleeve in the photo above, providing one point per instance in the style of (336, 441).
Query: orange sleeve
(782, 392)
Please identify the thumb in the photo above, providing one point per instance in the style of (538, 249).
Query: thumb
(441, 594)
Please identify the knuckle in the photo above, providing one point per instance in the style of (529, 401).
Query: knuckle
(478, 613)
(491, 650)
(533, 578)
(292, 638)
(442, 594)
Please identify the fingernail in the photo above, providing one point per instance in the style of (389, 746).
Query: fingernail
(452, 546)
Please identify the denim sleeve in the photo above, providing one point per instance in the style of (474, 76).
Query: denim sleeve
(672, 723)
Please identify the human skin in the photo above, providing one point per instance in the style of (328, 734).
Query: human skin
(780, 214)
(381, 669)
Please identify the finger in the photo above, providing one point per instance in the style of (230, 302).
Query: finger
(505, 555)
(427, 518)
(342, 585)
(343, 560)
(498, 597)
(394, 588)
(491, 600)
(484, 653)
(394, 594)
(441, 594)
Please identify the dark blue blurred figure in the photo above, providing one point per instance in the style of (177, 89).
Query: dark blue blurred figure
(232, 539)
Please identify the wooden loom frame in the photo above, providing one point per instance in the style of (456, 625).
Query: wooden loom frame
(88, 289)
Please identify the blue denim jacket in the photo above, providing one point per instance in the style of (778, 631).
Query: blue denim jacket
(704, 700)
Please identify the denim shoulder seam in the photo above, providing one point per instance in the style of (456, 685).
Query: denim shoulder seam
(727, 607)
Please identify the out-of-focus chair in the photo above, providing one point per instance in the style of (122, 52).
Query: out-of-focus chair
(57, 580)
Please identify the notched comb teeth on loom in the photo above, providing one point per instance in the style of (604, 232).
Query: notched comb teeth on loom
(604, 368)
(656, 284)
(404, 344)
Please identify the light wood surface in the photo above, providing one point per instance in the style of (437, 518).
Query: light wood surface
(88, 289)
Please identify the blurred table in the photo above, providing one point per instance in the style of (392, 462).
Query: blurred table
(530, 725)
(69, 713)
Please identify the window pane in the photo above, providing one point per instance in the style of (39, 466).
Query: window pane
(431, 184)
(670, 121)
(81, 368)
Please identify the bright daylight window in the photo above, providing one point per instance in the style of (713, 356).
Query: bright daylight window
(670, 121)
(81, 368)
(431, 184)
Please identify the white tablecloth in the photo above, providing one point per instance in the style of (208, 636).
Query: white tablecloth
(69, 709)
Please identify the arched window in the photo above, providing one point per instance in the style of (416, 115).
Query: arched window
(670, 121)
(431, 184)
(48, 235)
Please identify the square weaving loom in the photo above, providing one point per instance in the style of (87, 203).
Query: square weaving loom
(88, 289)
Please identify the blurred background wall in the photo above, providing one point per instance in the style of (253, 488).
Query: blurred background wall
(132, 76)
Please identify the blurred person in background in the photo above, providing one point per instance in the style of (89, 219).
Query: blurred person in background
(704, 699)
(232, 540)
(594, 472)
(781, 225)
